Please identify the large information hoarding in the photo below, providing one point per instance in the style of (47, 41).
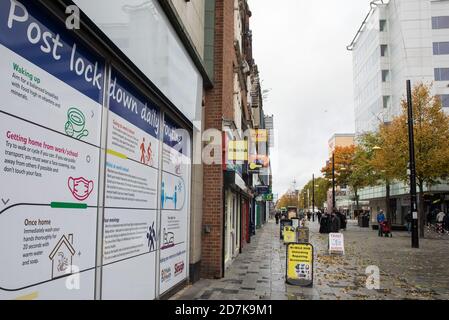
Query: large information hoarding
(50, 127)
(50, 149)
(175, 205)
(130, 222)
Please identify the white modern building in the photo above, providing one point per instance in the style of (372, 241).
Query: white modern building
(399, 40)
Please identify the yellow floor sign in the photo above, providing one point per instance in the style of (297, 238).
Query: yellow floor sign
(289, 235)
(300, 264)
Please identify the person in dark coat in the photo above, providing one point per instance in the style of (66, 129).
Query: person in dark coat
(324, 223)
(343, 221)
(334, 223)
(277, 216)
(319, 216)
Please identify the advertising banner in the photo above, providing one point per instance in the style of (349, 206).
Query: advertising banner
(130, 223)
(175, 205)
(50, 127)
(300, 264)
(55, 154)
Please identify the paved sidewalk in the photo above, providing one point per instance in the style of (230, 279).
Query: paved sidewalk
(259, 272)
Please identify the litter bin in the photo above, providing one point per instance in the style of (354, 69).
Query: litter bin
(365, 221)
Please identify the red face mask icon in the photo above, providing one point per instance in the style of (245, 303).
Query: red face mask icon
(80, 188)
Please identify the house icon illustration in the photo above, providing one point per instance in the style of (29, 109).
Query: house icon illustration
(61, 257)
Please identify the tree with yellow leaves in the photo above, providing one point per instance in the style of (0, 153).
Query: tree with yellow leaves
(288, 199)
(431, 130)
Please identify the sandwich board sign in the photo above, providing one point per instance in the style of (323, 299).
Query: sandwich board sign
(295, 222)
(302, 235)
(336, 243)
(299, 264)
(284, 223)
(289, 234)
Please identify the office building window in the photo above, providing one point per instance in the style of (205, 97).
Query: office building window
(440, 48)
(441, 74)
(385, 75)
(383, 50)
(441, 22)
(386, 102)
(383, 25)
(445, 100)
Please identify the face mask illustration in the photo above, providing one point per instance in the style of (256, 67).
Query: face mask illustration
(80, 188)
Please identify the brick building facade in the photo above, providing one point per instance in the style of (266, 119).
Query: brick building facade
(228, 201)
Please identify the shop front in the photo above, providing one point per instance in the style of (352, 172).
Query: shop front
(236, 209)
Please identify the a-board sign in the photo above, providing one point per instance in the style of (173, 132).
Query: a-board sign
(295, 222)
(284, 223)
(302, 235)
(336, 243)
(289, 234)
(299, 264)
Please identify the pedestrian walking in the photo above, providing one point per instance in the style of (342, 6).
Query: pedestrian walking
(380, 221)
(440, 221)
(446, 222)
(277, 216)
(408, 220)
(319, 216)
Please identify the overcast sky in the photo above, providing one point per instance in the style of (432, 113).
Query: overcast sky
(300, 47)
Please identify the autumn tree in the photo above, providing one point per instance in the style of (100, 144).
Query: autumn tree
(322, 185)
(372, 162)
(344, 159)
(431, 133)
(349, 170)
(288, 199)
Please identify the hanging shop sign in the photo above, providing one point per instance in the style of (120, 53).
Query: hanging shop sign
(336, 243)
(299, 264)
(258, 162)
(268, 197)
(263, 190)
(259, 135)
(238, 150)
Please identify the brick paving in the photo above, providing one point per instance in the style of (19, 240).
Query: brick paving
(405, 273)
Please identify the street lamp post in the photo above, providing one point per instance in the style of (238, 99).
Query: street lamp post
(333, 181)
(308, 199)
(313, 194)
(305, 194)
(413, 206)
